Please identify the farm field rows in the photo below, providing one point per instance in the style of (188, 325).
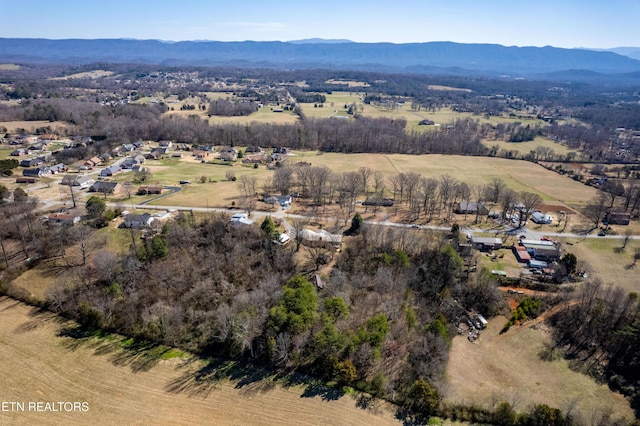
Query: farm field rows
(122, 388)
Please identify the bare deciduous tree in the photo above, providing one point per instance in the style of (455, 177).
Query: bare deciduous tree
(529, 202)
(495, 188)
(365, 174)
(298, 224)
(248, 185)
(283, 180)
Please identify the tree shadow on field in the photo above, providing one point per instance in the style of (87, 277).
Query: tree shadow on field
(327, 393)
(38, 317)
(139, 355)
(199, 380)
(410, 419)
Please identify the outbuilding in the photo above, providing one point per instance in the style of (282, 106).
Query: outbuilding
(537, 264)
(486, 243)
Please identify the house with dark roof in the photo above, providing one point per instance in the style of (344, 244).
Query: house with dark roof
(228, 154)
(31, 162)
(83, 181)
(26, 179)
(110, 171)
(378, 201)
(105, 187)
(617, 218)
(146, 190)
(37, 172)
(471, 208)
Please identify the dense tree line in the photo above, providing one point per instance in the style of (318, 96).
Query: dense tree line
(226, 108)
(602, 330)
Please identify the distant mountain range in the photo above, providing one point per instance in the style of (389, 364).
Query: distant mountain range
(632, 52)
(320, 41)
(430, 58)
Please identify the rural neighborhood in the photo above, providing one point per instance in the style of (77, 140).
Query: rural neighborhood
(402, 247)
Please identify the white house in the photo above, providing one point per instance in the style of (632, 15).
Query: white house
(138, 220)
(541, 218)
(241, 219)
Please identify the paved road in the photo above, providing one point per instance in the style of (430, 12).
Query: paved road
(283, 216)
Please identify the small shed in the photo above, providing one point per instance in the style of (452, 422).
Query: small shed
(537, 264)
(486, 243)
(617, 218)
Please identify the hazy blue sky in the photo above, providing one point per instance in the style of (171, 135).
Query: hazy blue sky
(560, 23)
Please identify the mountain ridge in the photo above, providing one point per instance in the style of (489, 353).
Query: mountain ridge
(492, 59)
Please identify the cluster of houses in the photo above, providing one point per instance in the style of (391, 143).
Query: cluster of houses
(537, 254)
(36, 167)
(135, 221)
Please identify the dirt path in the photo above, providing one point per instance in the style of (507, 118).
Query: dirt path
(539, 319)
(38, 366)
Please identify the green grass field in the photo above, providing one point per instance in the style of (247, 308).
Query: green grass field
(5, 152)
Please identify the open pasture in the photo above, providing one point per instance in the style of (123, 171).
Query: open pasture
(265, 114)
(349, 83)
(143, 386)
(440, 116)
(602, 258)
(31, 126)
(518, 175)
(86, 74)
(525, 147)
(449, 88)
(9, 67)
(507, 367)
